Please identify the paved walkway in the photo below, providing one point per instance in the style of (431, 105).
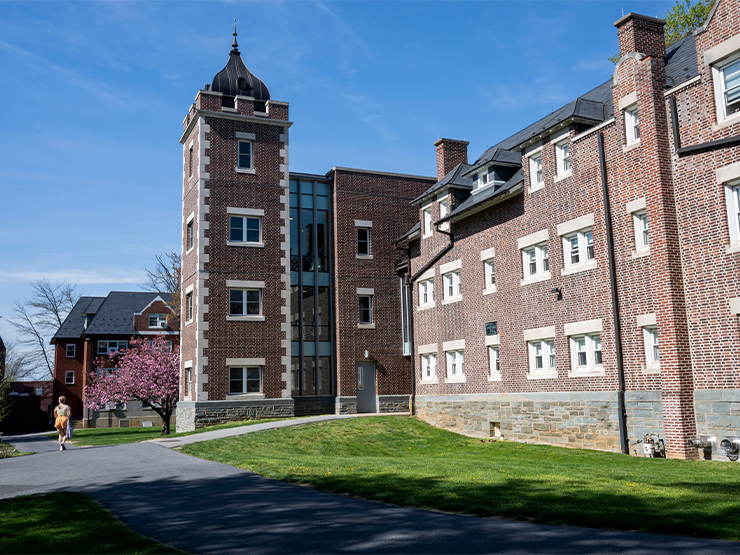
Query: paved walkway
(206, 507)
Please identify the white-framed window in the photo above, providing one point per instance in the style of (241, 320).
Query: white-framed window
(652, 348)
(167, 344)
(642, 232)
(245, 155)
(536, 261)
(69, 377)
(428, 366)
(245, 229)
(535, 171)
(245, 302)
(562, 156)
(157, 320)
(489, 274)
(71, 350)
(105, 347)
(578, 248)
(245, 379)
(426, 292)
(363, 241)
(427, 220)
(455, 364)
(541, 356)
(732, 196)
(494, 361)
(443, 208)
(632, 125)
(189, 307)
(189, 237)
(452, 287)
(585, 351)
(366, 309)
(727, 87)
(188, 380)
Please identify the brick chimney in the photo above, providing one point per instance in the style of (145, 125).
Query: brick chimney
(450, 153)
(641, 33)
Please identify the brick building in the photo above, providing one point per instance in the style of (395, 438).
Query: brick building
(95, 327)
(290, 302)
(578, 284)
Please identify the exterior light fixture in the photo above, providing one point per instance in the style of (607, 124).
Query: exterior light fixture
(559, 291)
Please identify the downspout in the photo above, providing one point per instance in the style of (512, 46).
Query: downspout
(410, 311)
(622, 413)
(437, 256)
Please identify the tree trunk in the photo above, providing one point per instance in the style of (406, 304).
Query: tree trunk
(166, 423)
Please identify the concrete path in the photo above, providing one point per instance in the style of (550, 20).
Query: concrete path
(35, 443)
(205, 507)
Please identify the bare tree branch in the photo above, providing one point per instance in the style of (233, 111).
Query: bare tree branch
(166, 278)
(53, 302)
(31, 335)
(17, 367)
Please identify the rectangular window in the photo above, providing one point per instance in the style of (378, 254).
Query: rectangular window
(428, 366)
(455, 364)
(578, 248)
(245, 155)
(167, 345)
(727, 85)
(443, 208)
(245, 302)
(562, 154)
(585, 351)
(188, 381)
(452, 288)
(426, 292)
(535, 171)
(245, 229)
(427, 215)
(71, 350)
(536, 261)
(69, 377)
(245, 380)
(642, 234)
(732, 194)
(105, 347)
(489, 274)
(632, 125)
(363, 241)
(493, 361)
(189, 239)
(541, 355)
(157, 320)
(189, 307)
(652, 349)
(366, 309)
(190, 162)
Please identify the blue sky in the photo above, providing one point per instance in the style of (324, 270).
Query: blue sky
(94, 94)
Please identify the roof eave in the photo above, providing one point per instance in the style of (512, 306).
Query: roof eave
(550, 130)
(496, 199)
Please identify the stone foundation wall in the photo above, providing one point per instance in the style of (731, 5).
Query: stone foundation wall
(192, 415)
(644, 416)
(346, 405)
(718, 414)
(394, 403)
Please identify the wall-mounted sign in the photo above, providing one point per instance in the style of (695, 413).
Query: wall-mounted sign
(491, 328)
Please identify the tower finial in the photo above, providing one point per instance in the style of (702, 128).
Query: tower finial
(234, 46)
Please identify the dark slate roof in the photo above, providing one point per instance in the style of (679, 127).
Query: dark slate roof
(681, 64)
(235, 79)
(409, 233)
(454, 179)
(500, 156)
(487, 195)
(113, 315)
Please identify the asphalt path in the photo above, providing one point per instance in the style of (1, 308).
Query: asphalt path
(206, 507)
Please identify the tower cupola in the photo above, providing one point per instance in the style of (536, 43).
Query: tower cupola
(236, 80)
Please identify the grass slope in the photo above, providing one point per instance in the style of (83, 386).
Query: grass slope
(407, 462)
(67, 523)
(118, 436)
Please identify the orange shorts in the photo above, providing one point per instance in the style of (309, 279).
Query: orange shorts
(61, 423)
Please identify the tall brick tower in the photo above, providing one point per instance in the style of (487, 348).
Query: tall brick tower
(235, 251)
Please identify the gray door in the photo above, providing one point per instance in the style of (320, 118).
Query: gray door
(366, 387)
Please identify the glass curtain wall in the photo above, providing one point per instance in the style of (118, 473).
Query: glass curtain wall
(310, 289)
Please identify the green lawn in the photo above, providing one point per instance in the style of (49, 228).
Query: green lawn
(406, 462)
(67, 523)
(118, 436)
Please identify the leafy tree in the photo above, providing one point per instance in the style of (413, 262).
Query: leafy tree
(147, 371)
(165, 278)
(685, 17)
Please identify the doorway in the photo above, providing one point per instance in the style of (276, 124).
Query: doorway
(366, 387)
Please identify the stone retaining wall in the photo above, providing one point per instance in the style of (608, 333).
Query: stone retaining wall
(718, 414)
(345, 405)
(192, 415)
(394, 403)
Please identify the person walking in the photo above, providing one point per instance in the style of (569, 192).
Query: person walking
(62, 418)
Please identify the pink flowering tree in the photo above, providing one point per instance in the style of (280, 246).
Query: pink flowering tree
(148, 371)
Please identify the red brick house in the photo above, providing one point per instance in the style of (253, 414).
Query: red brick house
(579, 283)
(95, 327)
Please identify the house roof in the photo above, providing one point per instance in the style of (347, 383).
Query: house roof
(487, 196)
(111, 315)
(681, 63)
(409, 233)
(235, 79)
(454, 179)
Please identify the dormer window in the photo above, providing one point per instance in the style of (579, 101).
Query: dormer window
(535, 171)
(562, 151)
(482, 178)
(242, 84)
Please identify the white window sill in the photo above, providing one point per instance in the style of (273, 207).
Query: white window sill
(188, 322)
(430, 381)
(245, 318)
(452, 300)
(652, 369)
(245, 396)
(640, 253)
(244, 244)
(366, 326)
(536, 279)
(562, 176)
(261, 114)
(456, 379)
(631, 146)
(547, 375)
(232, 110)
(495, 377)
(426, 235)
(595, 372)
(187, 398)
(533, 188)
(727, 122)
(490, 290)
(733, 249)
(245, 170)
(187, 252)
(590, 265)
(364, 256)
(426, 306)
